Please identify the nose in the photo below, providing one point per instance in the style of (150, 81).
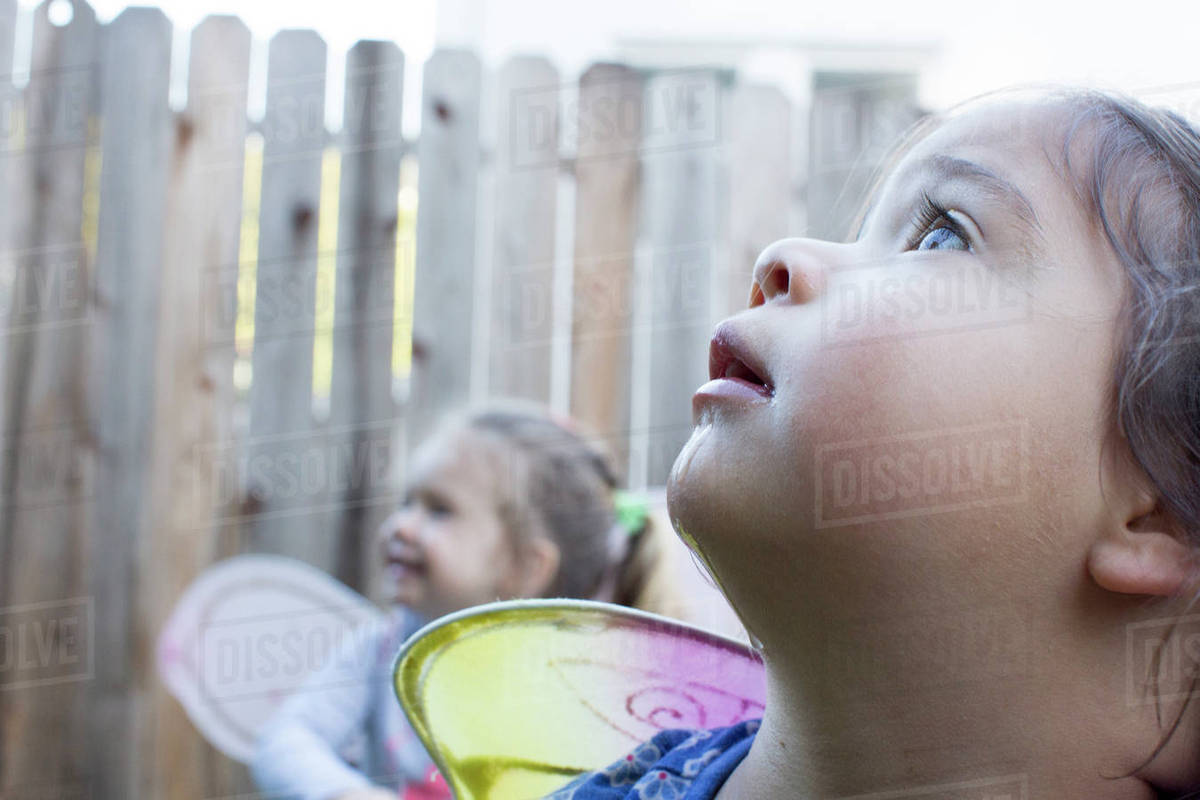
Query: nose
(401, 524)
(791, 270)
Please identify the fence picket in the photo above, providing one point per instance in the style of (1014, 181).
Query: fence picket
(43, 522)
(135, 155)
(362, 412)
(607, 197)
(191, 510)
(448, 151)
(284, 501)
(760, 190)
(684, 232)
(528, 99)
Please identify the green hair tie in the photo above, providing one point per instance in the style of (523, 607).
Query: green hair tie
(632, 510)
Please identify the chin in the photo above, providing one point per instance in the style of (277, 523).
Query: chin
(715, 483)
(701, 492)
(686, 493)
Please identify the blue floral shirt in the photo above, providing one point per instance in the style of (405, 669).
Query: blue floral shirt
(674, 765)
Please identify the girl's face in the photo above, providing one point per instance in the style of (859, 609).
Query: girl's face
(446, 548)
(918, 426)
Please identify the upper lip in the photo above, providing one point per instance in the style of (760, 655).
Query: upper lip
(402, 555)
(728, 357)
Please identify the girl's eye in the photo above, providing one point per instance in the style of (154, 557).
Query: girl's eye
(936, 229)
(432, 505)
(943, 238)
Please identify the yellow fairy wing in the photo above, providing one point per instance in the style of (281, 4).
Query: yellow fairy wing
(514, 699)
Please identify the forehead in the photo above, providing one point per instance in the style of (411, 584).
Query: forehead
(1002, 128)
(453, 461)
(1019, 141)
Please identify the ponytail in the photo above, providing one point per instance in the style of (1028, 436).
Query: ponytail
(635, 566)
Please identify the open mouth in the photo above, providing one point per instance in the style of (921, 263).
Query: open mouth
(728, 359)
(402, 564)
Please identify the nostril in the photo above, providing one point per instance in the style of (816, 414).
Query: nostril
(792, 270)
(775, 281)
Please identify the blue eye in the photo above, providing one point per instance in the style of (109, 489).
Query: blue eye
(943, 237)
(935, 228)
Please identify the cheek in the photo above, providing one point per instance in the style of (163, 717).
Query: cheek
(870, 433)
(469, 557)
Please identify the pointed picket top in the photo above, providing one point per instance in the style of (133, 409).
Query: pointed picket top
(218, 74)
(292, 43)
(382, 47)
(77, 35)
(50, 12)
(223, 35)
(530, 64)
(152, 15)
(375, 84)
(449, 67)
(221, 22)
(60, 48)
(294, 124)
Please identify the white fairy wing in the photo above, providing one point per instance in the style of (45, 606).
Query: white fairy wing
(513, 699)
(247, 634)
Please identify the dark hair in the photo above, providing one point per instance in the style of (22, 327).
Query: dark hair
(553, 482)
(1142, 185)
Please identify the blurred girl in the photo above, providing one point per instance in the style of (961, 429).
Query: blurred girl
(503, 503)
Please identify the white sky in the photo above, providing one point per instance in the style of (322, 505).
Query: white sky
(1134, 48)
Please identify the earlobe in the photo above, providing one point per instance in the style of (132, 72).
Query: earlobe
(1147, 562)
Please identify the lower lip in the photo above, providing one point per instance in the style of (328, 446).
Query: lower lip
(733, 389)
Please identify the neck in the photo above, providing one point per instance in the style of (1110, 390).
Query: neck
(978, 740)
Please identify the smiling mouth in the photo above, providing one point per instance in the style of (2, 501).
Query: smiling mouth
(404, 566)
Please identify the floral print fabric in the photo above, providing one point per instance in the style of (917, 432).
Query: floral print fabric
(674, 765)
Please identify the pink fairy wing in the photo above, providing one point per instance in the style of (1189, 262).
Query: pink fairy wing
(513, 699)
(247, 634)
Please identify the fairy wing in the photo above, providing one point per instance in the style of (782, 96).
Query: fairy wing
(513, 699)
(247, 634)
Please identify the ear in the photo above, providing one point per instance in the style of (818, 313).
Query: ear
(1142, 553)
(539, 566)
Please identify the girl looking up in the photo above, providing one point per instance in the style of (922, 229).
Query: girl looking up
(948, 475)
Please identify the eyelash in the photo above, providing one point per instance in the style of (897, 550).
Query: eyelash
(929, 216)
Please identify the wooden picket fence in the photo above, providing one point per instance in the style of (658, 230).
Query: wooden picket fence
(576, 240)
